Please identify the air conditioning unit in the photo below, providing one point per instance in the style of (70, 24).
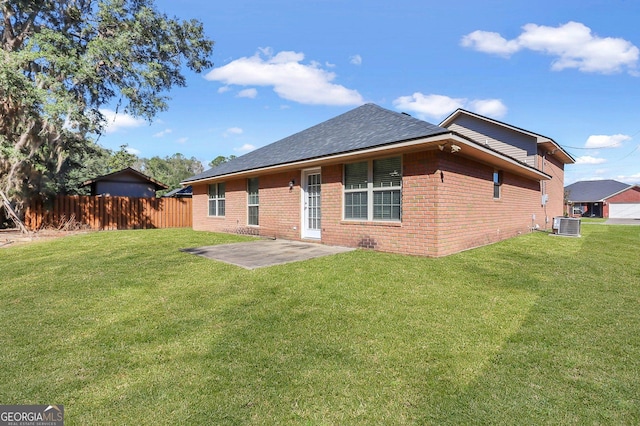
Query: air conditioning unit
(566, 226)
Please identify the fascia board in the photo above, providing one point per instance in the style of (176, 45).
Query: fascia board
(482, 154)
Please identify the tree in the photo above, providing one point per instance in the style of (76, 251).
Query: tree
(171, 170)
(64, 60)
(79, 167)
(220, 159)
(122, 159)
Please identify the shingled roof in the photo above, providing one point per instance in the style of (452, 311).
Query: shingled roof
(594, 190)
(130, 171)
(364, 127)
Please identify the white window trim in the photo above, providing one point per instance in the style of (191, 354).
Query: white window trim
(217, 198)
(499, 183)
(370, 190)
(249, 205)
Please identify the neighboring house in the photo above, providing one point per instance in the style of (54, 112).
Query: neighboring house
(603, 198)
(125, 183)
(378, 179)
(185, 192)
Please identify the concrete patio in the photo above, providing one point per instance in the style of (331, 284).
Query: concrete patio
(262, 253)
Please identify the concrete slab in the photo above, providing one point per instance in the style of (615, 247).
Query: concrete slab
(623, 222)
(262, 253)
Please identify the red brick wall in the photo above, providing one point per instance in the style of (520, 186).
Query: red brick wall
(554, 188)
(469, 216)
(447, 206)
(442, 213)
(415, 235)
(235, 218)
(280, 206)
(631, 195)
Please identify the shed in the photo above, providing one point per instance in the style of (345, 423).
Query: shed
(125, 183)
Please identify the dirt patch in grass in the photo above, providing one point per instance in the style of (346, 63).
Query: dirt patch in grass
(13, 237)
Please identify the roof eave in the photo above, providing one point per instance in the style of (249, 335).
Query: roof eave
(556, 149)
(486, 155)
(470, 149)
(159, 185)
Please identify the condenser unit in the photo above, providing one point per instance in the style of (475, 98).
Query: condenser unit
(566, 226)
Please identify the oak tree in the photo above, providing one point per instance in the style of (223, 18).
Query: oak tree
(62, 60)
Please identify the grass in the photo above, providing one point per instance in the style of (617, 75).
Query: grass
(123, 328)
(591, 220)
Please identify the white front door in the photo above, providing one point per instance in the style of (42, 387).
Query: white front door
(311, 215)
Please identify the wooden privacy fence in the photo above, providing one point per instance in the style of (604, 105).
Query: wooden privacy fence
(109, 212)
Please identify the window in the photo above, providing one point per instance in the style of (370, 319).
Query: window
(216, 199)
(355, 186)
(372, 189)
(253, 201)
(497, 183)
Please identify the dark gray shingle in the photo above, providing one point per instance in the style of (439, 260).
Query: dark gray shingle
(364, 127)
(593, 190)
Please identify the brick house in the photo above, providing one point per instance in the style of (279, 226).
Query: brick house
(605, 198)
(374, 178)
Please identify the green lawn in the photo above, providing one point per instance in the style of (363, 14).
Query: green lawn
(592, 220)
(123, 328)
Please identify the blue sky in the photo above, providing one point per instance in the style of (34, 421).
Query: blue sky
(569, 70)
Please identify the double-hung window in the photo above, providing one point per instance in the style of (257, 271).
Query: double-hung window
(356, 192)
(497, 183)
(216, 199)
(373, 190)
(253, 201)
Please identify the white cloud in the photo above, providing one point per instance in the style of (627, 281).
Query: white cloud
(248, 93)
(224, 89)
(606, 141)
(429, 105)
(290, 78)
(587, 159)
(162, 133)
(438, 106)
(489, 42)
(133, 151)
(233, 131)
(632, 179)
(245, 148)
(489, 107)
(355, 60)
(119, 121)
(573, 45)
(182, 140)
